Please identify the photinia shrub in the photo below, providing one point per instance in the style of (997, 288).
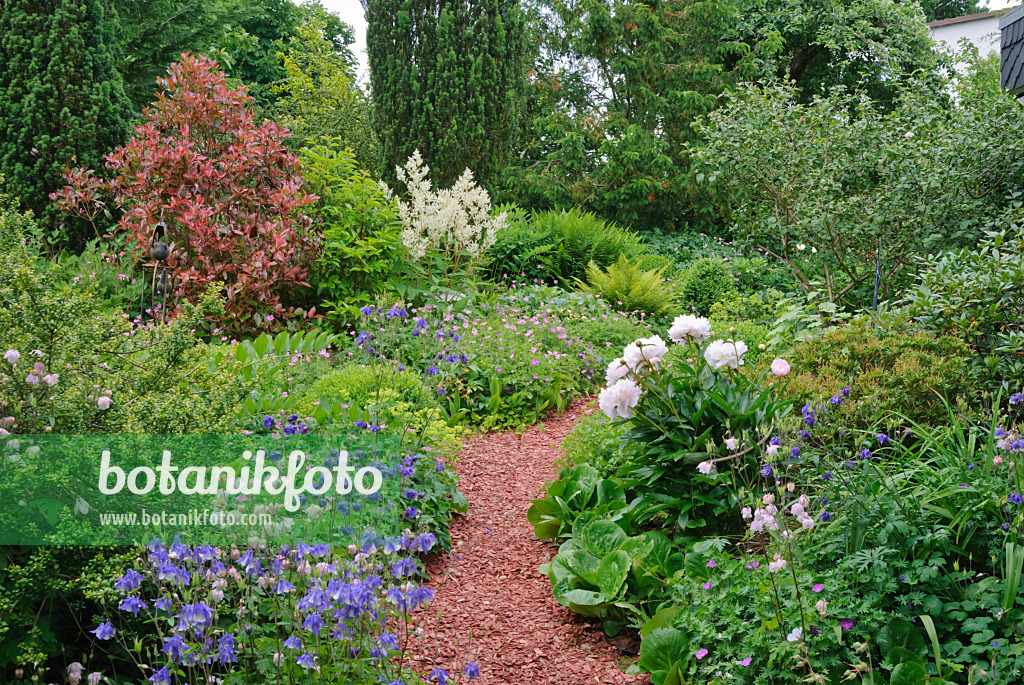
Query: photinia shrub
(227, 188)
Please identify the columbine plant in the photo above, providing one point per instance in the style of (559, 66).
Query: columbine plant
(445, 231)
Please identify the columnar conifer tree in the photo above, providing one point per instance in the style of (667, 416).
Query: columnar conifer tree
(62, 102)
(446, 77)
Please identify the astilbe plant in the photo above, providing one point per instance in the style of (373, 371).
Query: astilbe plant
(447, 230)
(228, 189)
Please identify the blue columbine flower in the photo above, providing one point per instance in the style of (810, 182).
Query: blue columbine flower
(1017, 398)
(845, 392)
(129, 581)
(432, 370)
(472, 670)
(766, 471)
(1006, 527)
(175, 647)
(825, 516)
(1000, 433)
(865, 453)
(268, 422)
(775, 441)
(132, 604)
(366, 311)
(421, 323)
(1016, 498)
(226, 649)
(440, 466)
(293, 643)
(161, 677)
(290, 430)
(360, 424)
(795, 452)
(440, 675)
(104, 631)
(804, 434)
(306, 660)
(836, 400)
(411, 513)
(882, 438)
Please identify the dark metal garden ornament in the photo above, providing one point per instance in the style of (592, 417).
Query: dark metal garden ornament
(160, 283)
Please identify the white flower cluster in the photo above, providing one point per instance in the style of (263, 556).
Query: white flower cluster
(458, 219)
(622, 393)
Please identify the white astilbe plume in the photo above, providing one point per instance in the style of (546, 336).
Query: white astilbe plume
(453, 221)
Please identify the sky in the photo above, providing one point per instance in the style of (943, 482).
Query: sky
(351, 12)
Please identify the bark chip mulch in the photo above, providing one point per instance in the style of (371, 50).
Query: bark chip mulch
(489, 585)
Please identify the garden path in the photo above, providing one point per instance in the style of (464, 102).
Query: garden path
(489, 585)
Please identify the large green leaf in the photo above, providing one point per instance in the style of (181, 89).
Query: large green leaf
(662, 619)
(612, 572)
(900, 632)
(661, 648)
(909, 673)
(587, 598)
(602, 536)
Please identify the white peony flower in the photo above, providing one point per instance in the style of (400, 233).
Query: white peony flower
(649, 350)
(616, 371)
(688, 328)
(619, 399)
(725, 353)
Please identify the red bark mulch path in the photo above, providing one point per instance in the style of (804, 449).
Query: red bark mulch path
(489, 584)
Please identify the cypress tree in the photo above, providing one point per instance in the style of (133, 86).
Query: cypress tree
(62, 102)
(446, 78)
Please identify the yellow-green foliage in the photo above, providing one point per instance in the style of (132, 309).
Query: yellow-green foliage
(397, 398)
(627, 287)
(887, 372)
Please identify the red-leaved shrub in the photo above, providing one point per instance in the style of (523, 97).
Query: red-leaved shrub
(229, 192)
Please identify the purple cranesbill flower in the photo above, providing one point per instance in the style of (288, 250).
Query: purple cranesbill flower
(865, 453)
(1017, 398)
(268, 422)
(882, 438)
(306, 660)
(1016, 498)
(103, 631)
(175, 647)
(472, 670)
(845, 392)
(846, 624)
(226, 653)
(440, 675)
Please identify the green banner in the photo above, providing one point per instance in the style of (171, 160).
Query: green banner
(199, 489)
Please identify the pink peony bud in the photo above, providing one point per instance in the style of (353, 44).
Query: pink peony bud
(780, 367)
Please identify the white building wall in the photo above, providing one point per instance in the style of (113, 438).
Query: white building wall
(983, 33)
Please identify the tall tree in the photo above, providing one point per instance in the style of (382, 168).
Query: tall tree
(62, 102)
(947, 9)
(447, 77)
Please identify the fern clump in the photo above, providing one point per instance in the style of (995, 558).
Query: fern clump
(628, 287)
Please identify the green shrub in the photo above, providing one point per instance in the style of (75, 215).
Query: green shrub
(627, 287)
(912, 374)
(358, 228)
(596, 440)
(705, 283)
(362, 385)
(759, 307)
(513, 253)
